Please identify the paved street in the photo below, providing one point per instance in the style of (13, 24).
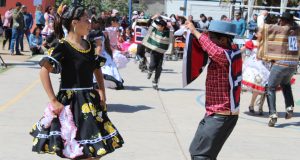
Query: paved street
(156, 125)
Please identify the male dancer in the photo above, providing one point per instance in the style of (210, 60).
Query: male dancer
(223, 85)
(158, 40)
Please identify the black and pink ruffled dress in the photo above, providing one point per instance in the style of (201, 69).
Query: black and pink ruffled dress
(83, 129)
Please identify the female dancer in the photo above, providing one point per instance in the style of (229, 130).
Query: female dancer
(255, 75)
(75, 124)
(111, 75)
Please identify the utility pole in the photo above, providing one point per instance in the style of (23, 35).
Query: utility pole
(129, 10)
(185, 8)
(75, 2)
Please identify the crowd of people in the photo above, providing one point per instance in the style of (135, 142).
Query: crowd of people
(88, 48)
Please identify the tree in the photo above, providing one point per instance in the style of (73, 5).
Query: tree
(107, 5)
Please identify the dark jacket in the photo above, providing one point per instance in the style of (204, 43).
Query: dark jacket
(18, 19)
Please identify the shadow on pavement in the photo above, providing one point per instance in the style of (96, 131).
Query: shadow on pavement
(169, 71)
(266, 114)
(26, 63)
(179, 89)
(296, 124)
(135, 88)
(126, 108)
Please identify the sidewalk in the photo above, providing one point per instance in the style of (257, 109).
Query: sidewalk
(156, 125)
(11, 60)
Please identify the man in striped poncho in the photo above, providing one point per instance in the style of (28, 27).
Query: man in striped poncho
(158, 40)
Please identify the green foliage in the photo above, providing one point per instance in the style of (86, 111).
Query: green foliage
(107, 5)
(120, 5)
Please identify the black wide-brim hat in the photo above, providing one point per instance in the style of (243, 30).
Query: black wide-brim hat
(160, 22)
(286, 15)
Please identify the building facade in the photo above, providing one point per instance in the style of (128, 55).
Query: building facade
(196, 7)
(7, 4)
(155, 6)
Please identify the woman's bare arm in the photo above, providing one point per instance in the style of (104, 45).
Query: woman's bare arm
(99, 77)
(46, 81)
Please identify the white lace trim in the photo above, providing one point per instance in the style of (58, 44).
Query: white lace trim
(98, 139)
(53, 133)
(57, 133)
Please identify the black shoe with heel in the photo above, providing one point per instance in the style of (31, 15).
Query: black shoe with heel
(251, 109)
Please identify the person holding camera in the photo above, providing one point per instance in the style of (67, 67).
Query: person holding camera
(17, 29)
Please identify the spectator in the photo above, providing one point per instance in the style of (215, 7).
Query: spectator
(28, 21)
(142, 15)
(174, 22)
(1, 26)
(103, 16)
(191, 19)
(115, 13)
(224, 18)
(35, 41)
(113, 32)
(17, 29)
(93, 12)
(203, 23)
(7, 27)
(124, 22)
(135, 15)
(39, 17)
(261, 18)
(209, 19)
(252, 26)
(181, 21)
(240, 24)
(49, 21)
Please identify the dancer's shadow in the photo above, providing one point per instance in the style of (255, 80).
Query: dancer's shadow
(135, 88)
(169, 71)
(282, 114)
(21, 64)
(126, 108)
(179, 89)
(28, 63)
(266, 114)
(295, 124)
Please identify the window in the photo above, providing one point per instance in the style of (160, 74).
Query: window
(2, 3)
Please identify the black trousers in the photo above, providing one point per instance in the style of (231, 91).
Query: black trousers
(8, 34)
(156, 61)
(211, 135)
(36, 50)
(141, 51)
(40, 26)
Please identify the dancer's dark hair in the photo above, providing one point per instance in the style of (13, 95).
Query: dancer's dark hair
(65, 20)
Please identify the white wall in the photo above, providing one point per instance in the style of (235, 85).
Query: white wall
(155, 6)
(195, 8)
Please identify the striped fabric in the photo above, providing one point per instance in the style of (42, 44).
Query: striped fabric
(235, 78)
(157, 41)
(274, 44)
(139, 33)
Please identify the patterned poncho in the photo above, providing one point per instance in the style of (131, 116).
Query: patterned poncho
(156, 40)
